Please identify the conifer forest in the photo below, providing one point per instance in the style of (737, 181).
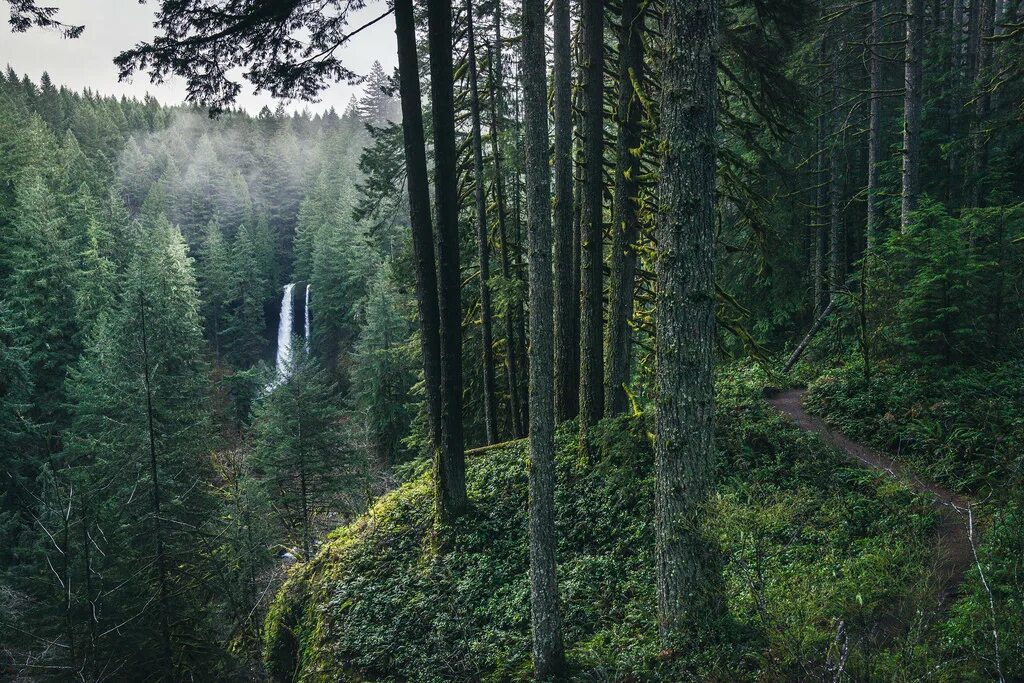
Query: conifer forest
(589, 340)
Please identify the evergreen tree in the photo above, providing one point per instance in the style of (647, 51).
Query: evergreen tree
(215, 284)
(139, 431)
(377, 106)
(300, 456)
(40, 289)
(382, 371)
(341, 265)
(246, 326)
(689, 590)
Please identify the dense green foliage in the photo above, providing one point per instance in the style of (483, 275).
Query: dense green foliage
(148, 475)
(811, 542)
(173, 507)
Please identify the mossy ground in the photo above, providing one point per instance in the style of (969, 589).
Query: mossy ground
(821, 557)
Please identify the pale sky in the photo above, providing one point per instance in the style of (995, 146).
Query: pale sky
(115, 25)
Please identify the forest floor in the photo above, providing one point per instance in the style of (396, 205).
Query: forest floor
(955, 535)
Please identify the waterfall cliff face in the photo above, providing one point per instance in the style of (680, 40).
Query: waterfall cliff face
(284, 333)
(307, 318)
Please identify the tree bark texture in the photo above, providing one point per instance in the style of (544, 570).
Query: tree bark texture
(483, 247)
(548, 655)
(450, 461)
(688, 565)
(566, 294)
(511, 348)
(874, 213)
(625, 225)
(419, 214)
(592, 221)
(820, 254)
(983, 101)
(912, 111)
(837, 222)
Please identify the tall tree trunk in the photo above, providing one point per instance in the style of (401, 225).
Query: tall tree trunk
(419, 215)
(874, 213)
(973, 38)
(955, 105)
(625, 225)
(688, 566)
(548, 656)
(837, 223)
(986, 25)
(450, 466)
(566, 294)
(167, 658)
(912, 111)
(511, 348)
(483, 248)
(518, 272)
(591, 221)
(821, 290)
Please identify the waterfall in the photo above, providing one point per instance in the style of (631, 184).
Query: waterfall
(284, 333)
(307, 318)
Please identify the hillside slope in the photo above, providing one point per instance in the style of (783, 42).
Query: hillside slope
(821, 557)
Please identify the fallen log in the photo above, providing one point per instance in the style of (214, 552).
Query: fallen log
(799, 350)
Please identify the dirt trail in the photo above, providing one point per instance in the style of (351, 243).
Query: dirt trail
(953, 536)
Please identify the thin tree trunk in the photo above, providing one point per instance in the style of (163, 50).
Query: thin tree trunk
(419, 215)
(973, 38)
(799, 350)
(167, 662)
(548, 655)
(986, 24)
(955, 105)
(520, 320)
(625, 224)
(566, 294)
(912, 111)
(837, 224)
(821, 294)
(450, 466)
(483, 248)
(874, 213)
(591, 222)
(688, 566)
(511, 348)
(307, 545)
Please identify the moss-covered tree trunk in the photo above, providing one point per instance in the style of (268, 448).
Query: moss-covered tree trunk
(512, 363)
(688, 567)
(625, 226)
(548, 656)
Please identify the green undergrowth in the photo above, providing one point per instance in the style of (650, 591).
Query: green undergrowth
(824, 563)
(965, 429)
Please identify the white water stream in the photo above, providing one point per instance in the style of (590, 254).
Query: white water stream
(307, 318)
(284, 334)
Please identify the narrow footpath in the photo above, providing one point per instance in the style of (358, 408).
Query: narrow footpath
(955, 534)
